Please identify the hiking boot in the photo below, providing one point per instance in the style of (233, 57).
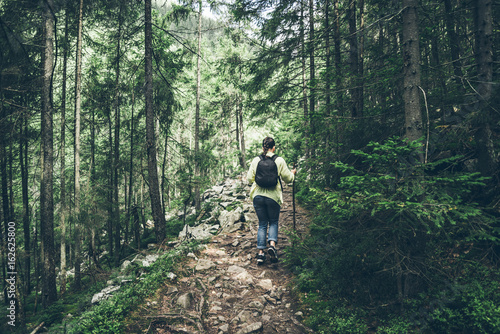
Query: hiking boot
(261, 258)
(273, 254)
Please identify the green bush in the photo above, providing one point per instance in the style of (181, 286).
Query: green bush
(471, 305)
(381, 236)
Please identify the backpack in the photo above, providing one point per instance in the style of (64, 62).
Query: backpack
(266, 175)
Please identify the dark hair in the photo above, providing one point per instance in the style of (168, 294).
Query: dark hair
(267, 144)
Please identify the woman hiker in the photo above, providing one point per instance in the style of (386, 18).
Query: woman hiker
(267, 196)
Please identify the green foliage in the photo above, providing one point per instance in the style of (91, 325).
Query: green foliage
(391, 186)
(340, 320)
(108, 316)
(382, 234)
(471, 304)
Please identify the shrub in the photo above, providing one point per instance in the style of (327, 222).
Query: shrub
(376, 237)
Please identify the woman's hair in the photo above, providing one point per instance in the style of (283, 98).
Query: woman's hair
(267, 144)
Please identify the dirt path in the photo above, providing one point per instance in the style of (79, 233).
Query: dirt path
(222, 290)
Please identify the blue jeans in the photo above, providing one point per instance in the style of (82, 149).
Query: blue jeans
(268, 212)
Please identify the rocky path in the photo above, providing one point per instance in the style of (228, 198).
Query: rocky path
(220, 289)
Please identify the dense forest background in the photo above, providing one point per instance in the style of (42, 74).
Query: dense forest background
(113, 113)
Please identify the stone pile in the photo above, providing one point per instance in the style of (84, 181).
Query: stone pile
(229, 210)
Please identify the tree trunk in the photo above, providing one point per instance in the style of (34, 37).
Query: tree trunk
(131, 162)
(361, 83)
(454, 44)
(242, 133)
(5, 203)
(338, 73)
(63, 155)
(116, 159)
(78, 102)
(312, 70)
(154, 190)
(411, 71)
(93, 180)
(110, 191)
(23, 160)
(304, 79)
(484, 56)
(197, 117)
(327, 63)
(10, 183)
(354, 59)
(49, 290)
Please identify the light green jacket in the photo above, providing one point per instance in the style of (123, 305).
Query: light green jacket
(274, 193)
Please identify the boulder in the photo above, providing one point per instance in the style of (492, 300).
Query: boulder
(265, 284)
(251, 217)
(256, 305)
(125, 264)
(200, 232)
(204, 264)
(150, 259)
(185, 300)
(229, 218)
(104, 294)
(252, 328)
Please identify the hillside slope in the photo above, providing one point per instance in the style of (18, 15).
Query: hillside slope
(222, 290)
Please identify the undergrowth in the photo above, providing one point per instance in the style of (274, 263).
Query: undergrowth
(386, 242)
(109, 315)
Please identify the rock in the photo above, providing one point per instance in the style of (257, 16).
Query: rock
(244, 277)
(277, 294)
(225, 204)
(235, 270)
(217, 189)
(231, 299)
(171, 290)
(215, 309)
(200, 232)
(235, 243)
(247, 207)
(185, 300)
(171, 276)
(265, 284)
(243, 316)
(299, 314)
(104, 294)
(256, 305)
(138, 259)
(270, 300)
(125, 265)
(204, 264)
(251, 217)
(150, 259)
(229, 218)
(252, 328)
(224, 328)
(232, 228)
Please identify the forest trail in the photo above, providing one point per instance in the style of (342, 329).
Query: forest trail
(222, 290)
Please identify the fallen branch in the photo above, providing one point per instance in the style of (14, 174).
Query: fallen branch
(37, 328)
